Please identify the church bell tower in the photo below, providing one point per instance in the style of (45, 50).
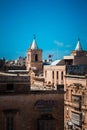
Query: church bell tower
(34, 57)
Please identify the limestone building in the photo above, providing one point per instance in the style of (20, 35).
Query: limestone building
(54, 76)
(71, 72)
(75, 87)
(75, 99)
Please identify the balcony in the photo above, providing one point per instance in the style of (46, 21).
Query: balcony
(77, 118)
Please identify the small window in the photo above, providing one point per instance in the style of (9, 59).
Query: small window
(10, 87)
(46, 122)
(57, 74)
(9, 122)
(53, 74)
(9, 119)
(67, 94)
(45, 73)
(62, 75)
(36, 57)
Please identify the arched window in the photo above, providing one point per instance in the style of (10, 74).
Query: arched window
(36, 57)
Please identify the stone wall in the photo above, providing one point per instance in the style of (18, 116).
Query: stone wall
(27, 114)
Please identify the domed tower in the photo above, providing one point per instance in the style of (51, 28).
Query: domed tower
(34, 57)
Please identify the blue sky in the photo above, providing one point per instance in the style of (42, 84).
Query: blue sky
(57, 25)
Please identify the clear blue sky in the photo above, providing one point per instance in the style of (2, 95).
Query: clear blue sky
(56, 23)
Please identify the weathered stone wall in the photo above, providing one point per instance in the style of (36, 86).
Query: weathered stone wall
(27, 114)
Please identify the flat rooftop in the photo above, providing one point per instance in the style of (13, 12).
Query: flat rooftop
(13, 74)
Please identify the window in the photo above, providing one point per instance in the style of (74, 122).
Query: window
(46, 122)
(45, 74)
(76, 102)
(67, 93)
(62, 75)
(9, 122)
(57, 74)
(76, 99)
(77, 118)
(9, 115)
(53, 74)
(10, 87)
(36, 57)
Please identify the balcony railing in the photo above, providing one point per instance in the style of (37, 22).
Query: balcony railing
(77, 118)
